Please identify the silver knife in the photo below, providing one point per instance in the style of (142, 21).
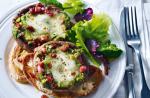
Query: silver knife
(130, 61)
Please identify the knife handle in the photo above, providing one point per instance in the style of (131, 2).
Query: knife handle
(130, 84)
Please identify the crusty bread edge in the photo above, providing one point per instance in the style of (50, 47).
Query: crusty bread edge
(15, 72)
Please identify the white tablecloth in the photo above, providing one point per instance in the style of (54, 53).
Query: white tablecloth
(113, 8)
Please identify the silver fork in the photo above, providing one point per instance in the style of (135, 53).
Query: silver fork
(134, 41)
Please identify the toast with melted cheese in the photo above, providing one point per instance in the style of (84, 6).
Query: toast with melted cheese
(57, 71)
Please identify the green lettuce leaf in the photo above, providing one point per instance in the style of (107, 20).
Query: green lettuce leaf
(110, 50)
(54, 2)
(97, 28)
(80, 41)
(74, 6)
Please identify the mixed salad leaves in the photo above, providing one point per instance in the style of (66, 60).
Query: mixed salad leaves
(89, 32)
(74, 6)
(54, 2)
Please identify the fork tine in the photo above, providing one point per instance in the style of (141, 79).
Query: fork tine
(127, 23)
(132, 20)
(136, 25)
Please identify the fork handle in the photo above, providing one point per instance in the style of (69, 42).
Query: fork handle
(141, 67)
(131, 89)
(129, 74)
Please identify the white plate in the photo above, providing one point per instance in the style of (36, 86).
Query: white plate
(11, 89)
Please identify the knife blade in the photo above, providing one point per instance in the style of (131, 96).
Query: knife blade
(130, 61)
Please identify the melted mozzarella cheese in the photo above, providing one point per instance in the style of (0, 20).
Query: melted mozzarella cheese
(62, 69)
(46, 24)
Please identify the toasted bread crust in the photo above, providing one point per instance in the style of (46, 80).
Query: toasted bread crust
(91, 84)
(84, 89)
(15, 67)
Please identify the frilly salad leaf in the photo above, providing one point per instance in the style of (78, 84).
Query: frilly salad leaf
(80, 41)
(97, 29)
(73, 6)
(48, 2)
(110, 50)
